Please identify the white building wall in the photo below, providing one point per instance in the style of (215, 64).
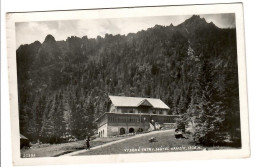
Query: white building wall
(102, 131)
(165, 112)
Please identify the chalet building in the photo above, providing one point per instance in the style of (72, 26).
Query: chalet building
(24, 142)
(133, 114)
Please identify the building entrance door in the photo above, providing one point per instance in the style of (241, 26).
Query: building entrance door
(131, 130)
(122, 131)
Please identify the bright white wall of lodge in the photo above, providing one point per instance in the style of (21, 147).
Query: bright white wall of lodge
(102, 131)
(115, 129)
(111, 123)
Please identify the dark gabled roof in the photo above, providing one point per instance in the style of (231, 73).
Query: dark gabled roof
(23, 137)
(123, 101)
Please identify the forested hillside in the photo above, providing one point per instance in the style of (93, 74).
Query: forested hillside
(63, 86)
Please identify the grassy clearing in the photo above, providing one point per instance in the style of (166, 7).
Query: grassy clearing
(166, 142)
(48, 150)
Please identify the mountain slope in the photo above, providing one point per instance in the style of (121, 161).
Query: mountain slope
(74, 77)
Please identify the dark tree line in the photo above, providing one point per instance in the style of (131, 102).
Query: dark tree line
(63, 85)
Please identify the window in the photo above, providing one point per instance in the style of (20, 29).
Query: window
(124, 111)
(154, 112)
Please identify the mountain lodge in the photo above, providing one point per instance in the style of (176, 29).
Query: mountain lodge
(133, 114)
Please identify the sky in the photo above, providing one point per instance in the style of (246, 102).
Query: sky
(28, 32)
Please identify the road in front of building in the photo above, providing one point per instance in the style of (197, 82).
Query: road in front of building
(164, 141)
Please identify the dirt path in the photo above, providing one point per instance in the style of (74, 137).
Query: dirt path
(117, 141)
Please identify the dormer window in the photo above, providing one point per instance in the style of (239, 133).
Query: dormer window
(145, 103)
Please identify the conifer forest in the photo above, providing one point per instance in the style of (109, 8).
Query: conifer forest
(63, 86)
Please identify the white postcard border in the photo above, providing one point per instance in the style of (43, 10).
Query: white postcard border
(236, 8)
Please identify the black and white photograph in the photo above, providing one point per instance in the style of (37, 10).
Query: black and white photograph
(140, 84)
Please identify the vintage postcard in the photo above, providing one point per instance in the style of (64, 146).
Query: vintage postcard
(128, 84)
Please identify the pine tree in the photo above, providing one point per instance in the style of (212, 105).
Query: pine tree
(58, 117)
(46, 133)
(77, 117)
(230, 99)
(210, 113)
(91, 117)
